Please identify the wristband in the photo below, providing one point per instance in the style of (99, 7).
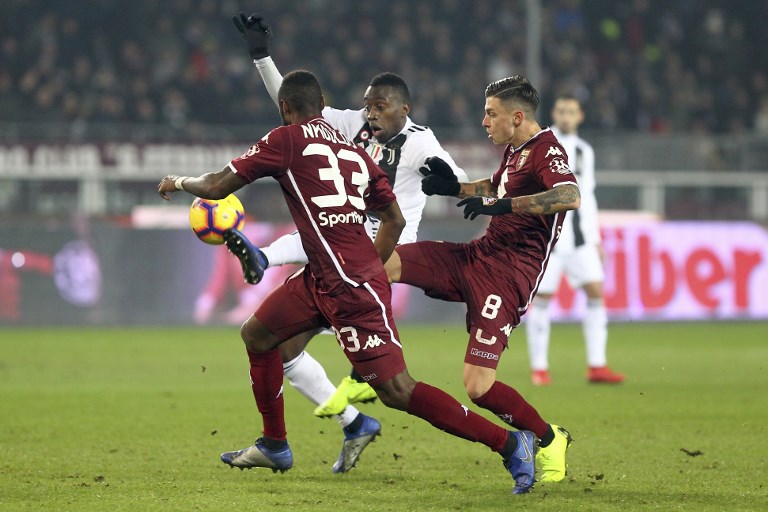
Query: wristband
(179, 183)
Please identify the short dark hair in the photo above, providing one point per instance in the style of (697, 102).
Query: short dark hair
(394, 81)
(301, 90)
(514, 88)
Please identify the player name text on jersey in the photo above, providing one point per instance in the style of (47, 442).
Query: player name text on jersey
(318, 130)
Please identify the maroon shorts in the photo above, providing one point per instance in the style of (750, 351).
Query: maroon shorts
(456, 273)
(361, 318)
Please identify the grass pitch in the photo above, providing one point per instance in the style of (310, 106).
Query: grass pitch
(135, 419)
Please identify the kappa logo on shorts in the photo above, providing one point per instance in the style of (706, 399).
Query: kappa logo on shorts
(507, 329)
(373, 342)
(368, 378)
(484, 354)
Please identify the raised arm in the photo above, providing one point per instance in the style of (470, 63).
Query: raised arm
(256, 33)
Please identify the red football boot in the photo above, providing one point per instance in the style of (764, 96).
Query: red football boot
(604, 375)
(540, 378)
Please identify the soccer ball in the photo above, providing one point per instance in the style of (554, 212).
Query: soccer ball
(209, 218)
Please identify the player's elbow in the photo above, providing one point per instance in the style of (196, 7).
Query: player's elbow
(393, 217)
(398, 223)
(576, 204)
(575, 197)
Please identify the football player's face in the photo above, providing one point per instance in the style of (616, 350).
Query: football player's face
(501, 122)
(567, 115)
(386, 112)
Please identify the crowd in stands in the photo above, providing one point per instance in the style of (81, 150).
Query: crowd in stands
(658, 67)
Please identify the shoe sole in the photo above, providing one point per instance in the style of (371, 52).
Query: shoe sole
(274, 470)
(255, 464)
(236, 246)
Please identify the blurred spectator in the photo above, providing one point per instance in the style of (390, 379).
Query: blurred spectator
(761, 118)
(638, 66)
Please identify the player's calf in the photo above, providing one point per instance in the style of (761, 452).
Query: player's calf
(396, 392)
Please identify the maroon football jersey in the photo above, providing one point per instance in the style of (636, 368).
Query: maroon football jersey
(329, 182)
(525, 241)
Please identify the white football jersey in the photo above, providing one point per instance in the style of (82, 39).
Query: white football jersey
(400, 157)
(580, 226)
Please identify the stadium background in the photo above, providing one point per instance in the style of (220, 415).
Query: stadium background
(100, 99)
(108, 404)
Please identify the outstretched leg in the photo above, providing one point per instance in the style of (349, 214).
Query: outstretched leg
(254, 260)
(445, 413)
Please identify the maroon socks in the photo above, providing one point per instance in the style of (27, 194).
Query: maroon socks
(267, 385)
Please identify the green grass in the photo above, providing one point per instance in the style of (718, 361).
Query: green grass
(126, 419)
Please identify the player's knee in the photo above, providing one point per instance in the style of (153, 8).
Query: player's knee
(255, 336)
(594, 290)
(478, 383)
(476, 389)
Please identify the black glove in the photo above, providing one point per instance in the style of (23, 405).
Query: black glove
(481, 205)
(256, 34)
(439, 178)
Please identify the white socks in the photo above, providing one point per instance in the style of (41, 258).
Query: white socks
(537, 328)
(286, 249)
(595, 326)
(309, 378)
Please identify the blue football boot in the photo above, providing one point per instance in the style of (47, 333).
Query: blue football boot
(252, 260)
(355, 443)
(522, 464)
(259, 456)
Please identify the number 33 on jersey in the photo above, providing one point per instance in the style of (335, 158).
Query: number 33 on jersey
(329, 182)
